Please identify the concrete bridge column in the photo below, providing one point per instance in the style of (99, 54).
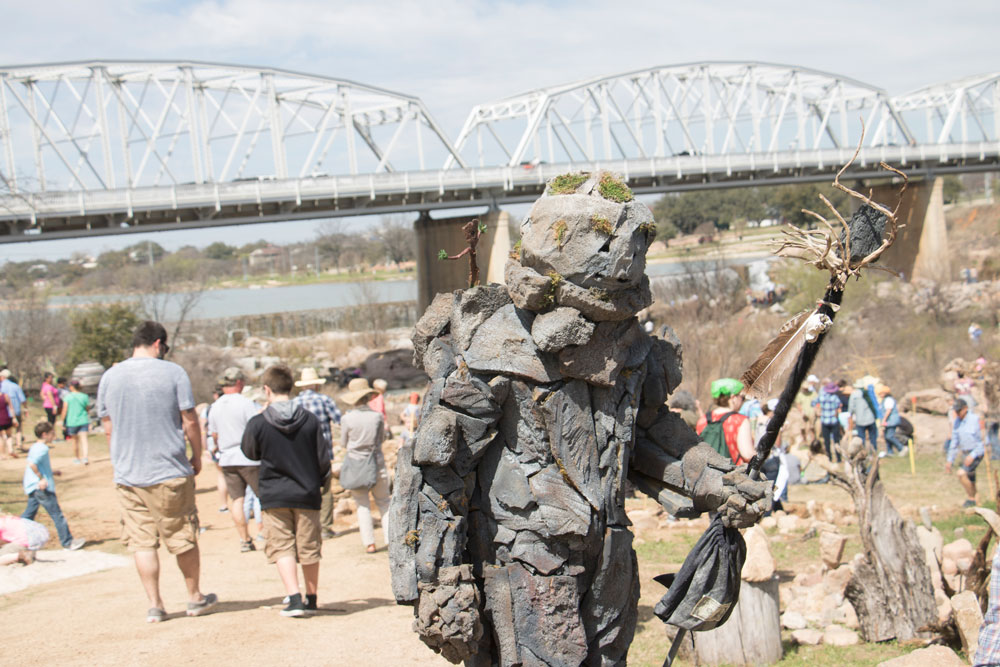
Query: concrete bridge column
(921, 247)
(435, 275)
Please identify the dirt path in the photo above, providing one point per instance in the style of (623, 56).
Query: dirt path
(100, 618)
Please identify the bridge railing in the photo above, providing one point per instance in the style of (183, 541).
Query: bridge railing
(366, 193)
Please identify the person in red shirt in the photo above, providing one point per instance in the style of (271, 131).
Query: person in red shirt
(728, 396)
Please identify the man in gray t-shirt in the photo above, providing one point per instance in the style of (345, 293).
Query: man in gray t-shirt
(146, 406)
(226, 422)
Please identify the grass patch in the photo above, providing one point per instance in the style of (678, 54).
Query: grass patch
(614, 189)
(600, 294)
(648, 228)
(554, 281)
(602, 225)
(846, 656)
(515, 252)
(559, 230)
(672, 551)
(567, 184)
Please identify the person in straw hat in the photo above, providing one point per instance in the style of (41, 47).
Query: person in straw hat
(362, 431)
(328, 414)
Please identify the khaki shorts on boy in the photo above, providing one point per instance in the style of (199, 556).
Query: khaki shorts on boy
(290, 531)
(238, 478)
(164, 511)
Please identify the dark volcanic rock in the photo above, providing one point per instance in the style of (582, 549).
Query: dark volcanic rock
(439, 358)
(610, 606)
(546, 621)
(402, 534)
(436, 440)
(528, 289)
(614, 347)
(571, 435)
(561, 328)
(432, 324)
(503, 344)
(469, 394)
(471, 308)
(544, 556)
(563, 510)
(605, 305)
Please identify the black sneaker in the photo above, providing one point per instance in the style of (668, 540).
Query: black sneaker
(295, 607)
(311, 606)
(247, 546)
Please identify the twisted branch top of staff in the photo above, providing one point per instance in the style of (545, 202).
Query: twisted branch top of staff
(824, 249)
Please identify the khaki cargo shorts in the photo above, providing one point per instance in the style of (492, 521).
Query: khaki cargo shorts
(238, 478)
(290, 531)
(163, 511)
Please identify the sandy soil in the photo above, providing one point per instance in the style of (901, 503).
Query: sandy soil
(101, 616)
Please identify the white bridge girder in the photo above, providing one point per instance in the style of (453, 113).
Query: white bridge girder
(107, 125)
(109, 147)
(693, 109)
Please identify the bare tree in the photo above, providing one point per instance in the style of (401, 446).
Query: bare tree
(397, 238)
(168, 292)
(33, 338)
(371, 315)
(333, 240)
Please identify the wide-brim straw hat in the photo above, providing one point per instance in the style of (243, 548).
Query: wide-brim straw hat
(357, 390)
(309, 378)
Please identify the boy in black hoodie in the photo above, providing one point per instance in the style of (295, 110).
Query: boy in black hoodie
(294, 464)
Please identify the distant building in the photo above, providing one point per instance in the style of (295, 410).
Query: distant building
(268, 256)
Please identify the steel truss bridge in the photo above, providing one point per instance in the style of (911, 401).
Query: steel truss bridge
(106, 147)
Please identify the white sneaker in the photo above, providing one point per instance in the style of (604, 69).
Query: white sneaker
(882, 455)
(76, 544)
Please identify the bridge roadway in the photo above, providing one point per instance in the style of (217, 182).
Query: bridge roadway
(143, 209)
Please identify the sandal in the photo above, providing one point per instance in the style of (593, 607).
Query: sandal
(155, 615)
(370, 549)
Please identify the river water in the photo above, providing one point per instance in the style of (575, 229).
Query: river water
(245, 301)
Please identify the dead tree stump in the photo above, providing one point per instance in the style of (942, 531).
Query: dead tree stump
(890, 588)
(751, 636)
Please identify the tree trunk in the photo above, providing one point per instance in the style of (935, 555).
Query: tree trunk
(751, 636)
(891, 588)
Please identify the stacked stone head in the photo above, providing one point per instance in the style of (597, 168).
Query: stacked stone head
(507, 529)
(583, 246)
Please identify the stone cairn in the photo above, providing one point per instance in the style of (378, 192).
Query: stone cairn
(507, 529)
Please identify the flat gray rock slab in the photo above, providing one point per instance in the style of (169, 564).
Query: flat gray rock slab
(503, 344)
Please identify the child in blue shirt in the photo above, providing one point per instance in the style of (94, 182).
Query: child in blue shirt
(40, 486)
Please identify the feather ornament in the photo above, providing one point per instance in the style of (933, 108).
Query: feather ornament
(778, 356)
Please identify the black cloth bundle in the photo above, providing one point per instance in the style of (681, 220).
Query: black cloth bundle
(703, 593)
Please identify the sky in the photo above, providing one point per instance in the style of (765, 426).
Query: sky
(454, 54)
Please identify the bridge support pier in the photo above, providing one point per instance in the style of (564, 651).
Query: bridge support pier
(434, 275)
(921, 247)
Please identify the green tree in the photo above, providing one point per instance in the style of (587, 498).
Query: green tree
(103, 334)
(789, 200)
(685, 211)
(952, 189)
(220, 250)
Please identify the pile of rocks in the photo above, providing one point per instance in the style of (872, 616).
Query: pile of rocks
(949, 565)
(817, 611)
(930, 296)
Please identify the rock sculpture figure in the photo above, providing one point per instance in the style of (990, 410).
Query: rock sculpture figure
(507, 528)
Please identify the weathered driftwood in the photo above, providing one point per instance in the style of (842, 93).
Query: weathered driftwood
(891, 588)
(751, 636)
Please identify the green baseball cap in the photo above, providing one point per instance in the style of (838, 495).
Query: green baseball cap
(726, 387)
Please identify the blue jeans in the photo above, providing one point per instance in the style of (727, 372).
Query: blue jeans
(831, 435)
(891, 441)
(47, 499)
(872, 432)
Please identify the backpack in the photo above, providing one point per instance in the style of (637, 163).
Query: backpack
(714, 435)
